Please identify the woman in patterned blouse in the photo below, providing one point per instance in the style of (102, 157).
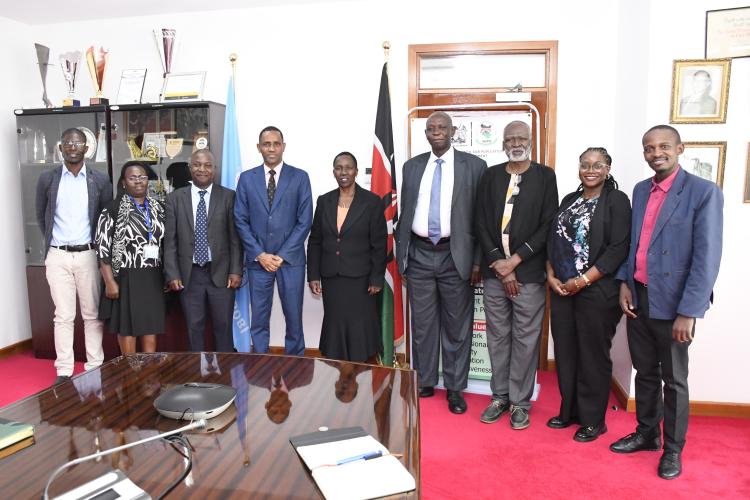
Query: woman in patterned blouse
(128, 240)
(589, 239)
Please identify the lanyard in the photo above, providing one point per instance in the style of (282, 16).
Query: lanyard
(143, 209)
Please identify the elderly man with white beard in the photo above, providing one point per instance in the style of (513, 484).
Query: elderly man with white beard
(515, 203)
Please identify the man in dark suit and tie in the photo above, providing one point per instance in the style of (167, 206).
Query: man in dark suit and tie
(273, 215)
(667, 282)
(438, 254)
(203, 254)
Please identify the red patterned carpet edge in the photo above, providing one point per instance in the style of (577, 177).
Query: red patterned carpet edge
(463, 458)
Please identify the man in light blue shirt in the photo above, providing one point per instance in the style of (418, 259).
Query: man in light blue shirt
(68, 202)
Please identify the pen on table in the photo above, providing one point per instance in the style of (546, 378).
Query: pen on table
(363, 456)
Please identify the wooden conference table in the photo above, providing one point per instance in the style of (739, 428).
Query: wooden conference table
(246, 455)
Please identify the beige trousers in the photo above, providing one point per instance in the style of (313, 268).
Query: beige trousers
(72, 274)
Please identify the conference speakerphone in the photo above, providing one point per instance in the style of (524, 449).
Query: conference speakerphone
(195, 400)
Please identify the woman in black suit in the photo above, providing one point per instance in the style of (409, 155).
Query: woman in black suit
(589, 239)
(346, 256)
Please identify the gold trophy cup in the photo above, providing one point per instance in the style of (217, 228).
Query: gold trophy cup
(97, 62)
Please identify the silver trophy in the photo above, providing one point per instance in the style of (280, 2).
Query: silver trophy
(165, 42)
(69, 66)
(42, 56)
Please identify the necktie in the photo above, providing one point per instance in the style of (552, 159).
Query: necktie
(271, 186)
(433, 215)
(201, 231)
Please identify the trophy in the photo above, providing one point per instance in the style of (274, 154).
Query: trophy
(165, 41)
(69, 65)
(174, 146)
(97, 61)
(42, 56)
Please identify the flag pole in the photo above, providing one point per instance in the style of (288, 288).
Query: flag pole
(233, 61)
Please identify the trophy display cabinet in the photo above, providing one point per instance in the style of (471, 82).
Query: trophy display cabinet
(163, 136)
(160, 135)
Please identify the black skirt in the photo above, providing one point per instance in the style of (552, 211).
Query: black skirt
(351, 324)
(140, 309)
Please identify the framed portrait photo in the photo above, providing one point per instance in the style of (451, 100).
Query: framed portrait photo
(700, 89)
(705, 159)
(728, 33)
(746, 195)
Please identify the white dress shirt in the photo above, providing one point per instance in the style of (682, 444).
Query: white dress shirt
(195, 198)
(71, 224)
(421, 213)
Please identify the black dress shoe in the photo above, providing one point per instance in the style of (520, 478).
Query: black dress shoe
(456, 402)
(61, 379)
(670, 465)
(636, 442)
(558, 423)
(589, 432)
(426, 392)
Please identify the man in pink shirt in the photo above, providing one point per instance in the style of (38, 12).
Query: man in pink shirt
(667, 282)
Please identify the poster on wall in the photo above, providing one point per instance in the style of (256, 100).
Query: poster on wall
(479, 133)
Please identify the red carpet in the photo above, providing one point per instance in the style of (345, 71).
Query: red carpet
(23, 375)
(463, 458)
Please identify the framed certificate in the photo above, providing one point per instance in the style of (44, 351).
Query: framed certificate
(131, 86)
(728, 33)
(183, 86)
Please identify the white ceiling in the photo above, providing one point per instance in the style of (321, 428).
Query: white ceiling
(55, 11)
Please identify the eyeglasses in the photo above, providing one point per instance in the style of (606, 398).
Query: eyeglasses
(73, 144)
(136, 178)
(596, 167)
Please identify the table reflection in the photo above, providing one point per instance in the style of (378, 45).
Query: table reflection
(277, 397)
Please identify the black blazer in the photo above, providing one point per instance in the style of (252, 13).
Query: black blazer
(360, 248)
(533, 209)
(609, 233)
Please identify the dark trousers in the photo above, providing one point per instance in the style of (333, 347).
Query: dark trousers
(197, 298)
(291, 283)
(583, 326)
(657, 358)
(442, 306)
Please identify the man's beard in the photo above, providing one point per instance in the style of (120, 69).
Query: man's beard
(515, 155)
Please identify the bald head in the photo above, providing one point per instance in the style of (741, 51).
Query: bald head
(442, 115)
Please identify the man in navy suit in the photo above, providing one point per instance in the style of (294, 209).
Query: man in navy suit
(273, 215)
(667, 283)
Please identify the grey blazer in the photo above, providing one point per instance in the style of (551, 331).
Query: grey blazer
(99, 190)
(468, 169)
(179, 234)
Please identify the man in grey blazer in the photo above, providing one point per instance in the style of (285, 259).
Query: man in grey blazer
(203, 254)
(438, 255)
(68, 202)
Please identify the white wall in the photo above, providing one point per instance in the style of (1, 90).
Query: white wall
(17, 49)
(313, 70)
